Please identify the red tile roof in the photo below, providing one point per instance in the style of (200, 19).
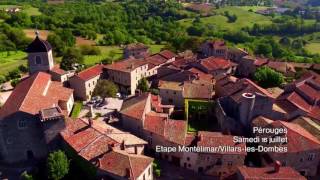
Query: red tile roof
(91, 72)
(170, 130)
(216, 139)
(36, 88)
(127, 65)
(56, 69)
(284, 173)
(135, 107)
(215, 63)
(236, 87)
(303, 94)
(124, 165)
(198, 91)
(95, 140)
(299, 139)
(167, 54)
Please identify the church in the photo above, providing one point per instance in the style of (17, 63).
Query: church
(34, 114)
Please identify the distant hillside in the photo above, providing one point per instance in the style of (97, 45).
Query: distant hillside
(298, 2)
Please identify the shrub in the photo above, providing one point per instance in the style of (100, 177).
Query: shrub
(58, 165)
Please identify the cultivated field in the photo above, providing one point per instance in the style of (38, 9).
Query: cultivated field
(11, 60)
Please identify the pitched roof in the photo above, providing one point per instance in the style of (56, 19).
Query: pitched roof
(170, 130)
(236, 87)
(127, 65)
(284, 173)
(215, 63)
(123, 164)
(198, 91)
(167, 54)
(216, 139)
(38, 45)
(135, 46)
(56, 69)
(91, 72)
(90, 141)
(135, 106)
(303, 94)
(36, 88)
(299, 139)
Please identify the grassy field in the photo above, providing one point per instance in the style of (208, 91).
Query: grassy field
(113, 52)
(31, 11)
(11, 61)
(313, 47)
(253, 8)
(245, 18)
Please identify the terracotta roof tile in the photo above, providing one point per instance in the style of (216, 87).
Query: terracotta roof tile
(284, 173)
(215, 63)
(167, 54)
(135, 106)
(36, 88)
(127, 65)
(91, 72)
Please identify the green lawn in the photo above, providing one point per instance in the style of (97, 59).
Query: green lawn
(31, 11)
(313, 47)
(11, 61)
(253, 8)
(245, 19)
(76, 109)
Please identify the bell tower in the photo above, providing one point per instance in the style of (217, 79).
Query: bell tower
(39, 55)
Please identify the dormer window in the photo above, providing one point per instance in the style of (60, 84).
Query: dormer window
(38, 60)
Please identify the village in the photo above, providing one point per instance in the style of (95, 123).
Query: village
(196, 100)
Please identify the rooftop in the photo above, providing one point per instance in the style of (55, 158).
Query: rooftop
(126, 65)
(36, 88)
(38, 45)
(91, 72)
(215, 63)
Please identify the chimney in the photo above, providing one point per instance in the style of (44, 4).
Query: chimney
(277, 165)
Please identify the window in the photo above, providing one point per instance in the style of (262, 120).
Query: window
(22, 124)
(149, 171)
(38, 60)
(229, 163)
(311, 156)
(188, 159)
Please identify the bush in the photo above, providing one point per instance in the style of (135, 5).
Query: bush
(14, 82)
(15, 74)
(143, 85)
(90, 50)
(267, 77)
(58, 165)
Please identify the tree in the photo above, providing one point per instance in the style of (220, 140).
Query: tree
(58, 165)
(143, 85)
(71, 57)
(14, 82)
(267, 77)
(105, 88)
(26, 176)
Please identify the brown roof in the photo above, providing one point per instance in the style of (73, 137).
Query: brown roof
(127, 65)
(36, 88)
(303, 94)
(216, 139)
(282, 67)
(123, 164)
(284, 173)
(170, 130)
(135, 46)
(56, 69)
(299, 139)
(167, 54)
(236, 87)
(135, 106)
(216, 63)
(198, 91)
(95, 140)
(91, 72)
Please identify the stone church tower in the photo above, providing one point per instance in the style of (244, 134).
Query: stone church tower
(39, 55)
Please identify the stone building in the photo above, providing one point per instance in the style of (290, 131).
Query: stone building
(215, 66)
(219, 163)
(136, 50)
(85, 81)
(34, 110)
(39, 55)
(113, 153)
(303, 149)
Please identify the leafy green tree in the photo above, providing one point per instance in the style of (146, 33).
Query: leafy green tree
(14, 74)
(264, 49)
(71, 57)
(58, 165)
(57, 44)
(143, 85)
(285, 41)
(105, 88)
(14, 82)
(267, 77)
